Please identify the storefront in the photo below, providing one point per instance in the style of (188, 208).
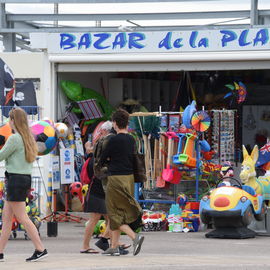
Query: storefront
(148, 66)
(144, 65)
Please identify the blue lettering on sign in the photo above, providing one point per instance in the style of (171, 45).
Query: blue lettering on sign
(262, 36)
(67, 41)
(120, 40)
(133, 41)
(177, 43)
(85, 41)
(243, 38)
(203, 42)
(190, 40)
(101, 38)
(67, 172)
(228, 36)
(166, 42)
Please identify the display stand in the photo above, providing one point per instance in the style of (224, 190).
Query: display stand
(198, 174)
(197, 169)
(62, 217)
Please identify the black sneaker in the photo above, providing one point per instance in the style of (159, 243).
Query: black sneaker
(37, 255)
(1, 257)
(103, 243)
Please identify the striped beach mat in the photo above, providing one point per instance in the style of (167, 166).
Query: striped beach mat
(72, 118)
(90, 109)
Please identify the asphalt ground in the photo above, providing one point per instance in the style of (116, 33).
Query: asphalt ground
(160, 250)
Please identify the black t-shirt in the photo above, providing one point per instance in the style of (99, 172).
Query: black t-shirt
(95, 186)
(119, 151)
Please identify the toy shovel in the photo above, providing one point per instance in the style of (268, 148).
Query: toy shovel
(186, 157)
(179, 149)
(167, 174)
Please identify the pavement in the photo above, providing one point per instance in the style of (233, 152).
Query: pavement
(160, 250)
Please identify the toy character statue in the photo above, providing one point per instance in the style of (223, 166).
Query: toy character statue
(226, 173)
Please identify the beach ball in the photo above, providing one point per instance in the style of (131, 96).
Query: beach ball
(45, 137)
(61, 130)
(75, 189)
(48, 120)
(5, 132)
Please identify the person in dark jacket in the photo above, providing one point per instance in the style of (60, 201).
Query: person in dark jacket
(124, 211)
(95, 201)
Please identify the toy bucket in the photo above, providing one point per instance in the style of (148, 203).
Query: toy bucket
(177, 176)
(167, 174)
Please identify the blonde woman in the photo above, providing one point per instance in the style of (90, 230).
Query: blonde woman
(19, 153)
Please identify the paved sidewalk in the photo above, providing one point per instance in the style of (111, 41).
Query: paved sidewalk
(161, 250)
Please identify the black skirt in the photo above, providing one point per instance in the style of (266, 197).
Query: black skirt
(17, 186)
(94, 204)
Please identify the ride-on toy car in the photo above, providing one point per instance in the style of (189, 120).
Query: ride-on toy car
(232, 207)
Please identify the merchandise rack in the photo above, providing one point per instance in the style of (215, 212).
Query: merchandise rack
(197, 169)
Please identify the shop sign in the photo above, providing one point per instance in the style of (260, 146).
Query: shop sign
(67, 165)
(55, 172)
(159, 42)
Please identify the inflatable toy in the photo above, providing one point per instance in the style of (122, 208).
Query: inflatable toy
(5, 132)
(100, 225)
(61, 130)
(75, 92)
(45, 137)
(48, 120)
(84, 190)
(75, 189)
(261, 185)
(188, 113)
